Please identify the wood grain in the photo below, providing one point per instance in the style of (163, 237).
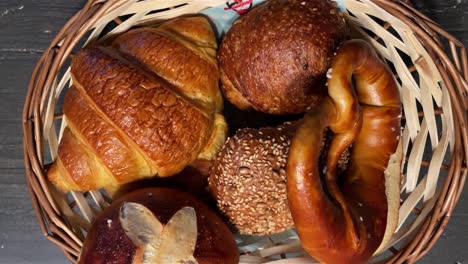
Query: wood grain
(26, 28)
(452, 15)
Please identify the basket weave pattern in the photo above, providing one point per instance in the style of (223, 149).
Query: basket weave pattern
(432, 82)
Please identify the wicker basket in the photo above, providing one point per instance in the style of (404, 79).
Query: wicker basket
(435, 138)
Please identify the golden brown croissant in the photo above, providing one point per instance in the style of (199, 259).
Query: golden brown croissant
(148, 104)
(346, 220)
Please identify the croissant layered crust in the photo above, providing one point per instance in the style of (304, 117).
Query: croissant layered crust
(189, 67)
(147, 105)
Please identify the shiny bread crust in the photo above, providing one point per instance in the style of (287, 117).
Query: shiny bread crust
(182, 64)
(165, 126)
(141, 107)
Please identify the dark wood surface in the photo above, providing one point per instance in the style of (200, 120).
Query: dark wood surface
(26, 28)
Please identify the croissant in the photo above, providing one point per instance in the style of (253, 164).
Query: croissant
(346, 220)
(148, 104)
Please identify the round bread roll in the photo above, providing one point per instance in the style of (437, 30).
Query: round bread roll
(275, 57)
(168, 209)
(248, 180)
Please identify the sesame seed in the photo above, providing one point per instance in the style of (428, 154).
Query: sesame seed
(244, 170)
(329, 73)
(256, 200)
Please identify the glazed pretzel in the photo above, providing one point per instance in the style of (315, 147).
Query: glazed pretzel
(345, 220)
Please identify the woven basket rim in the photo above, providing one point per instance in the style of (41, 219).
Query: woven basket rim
(453, 70)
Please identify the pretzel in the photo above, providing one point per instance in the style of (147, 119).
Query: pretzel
(344, 219)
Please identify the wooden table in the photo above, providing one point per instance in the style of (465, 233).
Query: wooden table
(26, 28)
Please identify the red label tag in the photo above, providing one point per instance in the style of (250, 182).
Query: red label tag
(240, 6)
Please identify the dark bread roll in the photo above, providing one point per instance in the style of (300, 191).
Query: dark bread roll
(248, 180)
(108, 242)
(274, 58)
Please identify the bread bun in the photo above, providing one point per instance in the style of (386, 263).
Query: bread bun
(275, 57)
(108, 242)
(248, 180)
